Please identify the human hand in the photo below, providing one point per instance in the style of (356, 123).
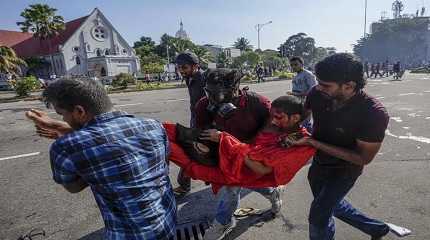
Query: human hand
(296, 140)
(46, 133)
(47, 126)
(211, 135)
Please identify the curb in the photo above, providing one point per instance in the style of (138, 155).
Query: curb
(33, 98)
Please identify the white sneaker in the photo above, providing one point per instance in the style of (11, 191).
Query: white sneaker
(217, 231)
(275, 200)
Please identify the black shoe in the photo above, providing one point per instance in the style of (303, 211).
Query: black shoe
(379, 237)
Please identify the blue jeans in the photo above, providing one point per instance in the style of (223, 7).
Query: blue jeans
(229, 198)
(329, 187)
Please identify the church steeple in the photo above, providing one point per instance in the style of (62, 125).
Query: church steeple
(181, 33)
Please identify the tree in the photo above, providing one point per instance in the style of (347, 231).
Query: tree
(243, 44)
(331, 50)
(203, 54)
(272, 59)
(41, 20)
(181, 45)
(10, 62)
(144, 47)
(247, 59)
(402, 39)
(144, 41)
(299, 45)
(223, 61)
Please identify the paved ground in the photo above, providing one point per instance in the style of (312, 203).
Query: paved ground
(395, 187)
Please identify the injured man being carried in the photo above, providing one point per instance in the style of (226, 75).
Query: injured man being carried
(269, 160)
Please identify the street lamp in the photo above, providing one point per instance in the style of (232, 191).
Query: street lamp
(258, 27)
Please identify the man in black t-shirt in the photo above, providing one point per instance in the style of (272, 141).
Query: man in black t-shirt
(188, 65)
(349, 127)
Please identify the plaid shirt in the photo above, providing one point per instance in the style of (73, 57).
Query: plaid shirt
(123, 160)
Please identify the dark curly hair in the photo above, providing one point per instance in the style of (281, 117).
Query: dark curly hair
(290, 105)
(341, 68)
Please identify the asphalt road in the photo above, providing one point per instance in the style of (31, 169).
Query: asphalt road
(395, 187)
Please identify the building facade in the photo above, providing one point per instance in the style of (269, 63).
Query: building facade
(88, 46)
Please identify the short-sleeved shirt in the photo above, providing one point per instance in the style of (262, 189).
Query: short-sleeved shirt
(303, 82)
(123, 160)
(362, 118)
(252, 112)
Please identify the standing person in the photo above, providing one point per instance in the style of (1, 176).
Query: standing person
(366, 68)
(259, 72)
(242, 114)
(302, 83)
(378, 70)
(349, 127)
(121, 158)
(385, 68)
(373, 70)
(304, 80)
(188, 66)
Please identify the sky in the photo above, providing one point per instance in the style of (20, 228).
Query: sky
(332, 23)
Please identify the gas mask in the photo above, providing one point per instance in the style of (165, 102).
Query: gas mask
(220, 100)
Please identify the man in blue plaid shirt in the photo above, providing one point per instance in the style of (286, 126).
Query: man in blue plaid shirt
(121, 158)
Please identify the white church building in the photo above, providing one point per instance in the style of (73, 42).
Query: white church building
(88, 46)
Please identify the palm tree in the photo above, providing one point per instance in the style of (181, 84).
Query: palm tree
(9, 61)
(181, 45)
(203, 54)
(41, 20)
(242, 44)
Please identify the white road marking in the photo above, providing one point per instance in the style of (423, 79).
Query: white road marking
(130, 104)
(20, 156)
(410, 137)
(176, 100)
(397, 119)
(406, 94)
(140, 103)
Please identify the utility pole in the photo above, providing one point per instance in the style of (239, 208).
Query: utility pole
(365, 18)
(167, 51)
(258, 27)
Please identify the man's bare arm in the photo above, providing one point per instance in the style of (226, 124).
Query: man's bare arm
(257, 167)
(362, 155)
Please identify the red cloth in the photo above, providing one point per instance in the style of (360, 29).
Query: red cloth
(286, 162)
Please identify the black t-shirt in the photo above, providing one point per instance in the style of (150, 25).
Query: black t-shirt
(195, 88)
(363, 117)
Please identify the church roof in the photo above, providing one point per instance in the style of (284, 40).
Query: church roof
(26, 45)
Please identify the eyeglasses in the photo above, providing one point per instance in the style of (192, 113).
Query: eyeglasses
(33, 233)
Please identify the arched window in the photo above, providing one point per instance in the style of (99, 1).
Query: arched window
(98, 53)
(107, 52)
(78, 60)
(103, 72)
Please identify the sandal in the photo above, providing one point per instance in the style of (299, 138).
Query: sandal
(248, 211)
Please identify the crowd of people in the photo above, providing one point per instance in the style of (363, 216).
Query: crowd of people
(383, 69)
(125, 160)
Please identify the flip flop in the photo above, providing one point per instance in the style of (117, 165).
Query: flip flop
(399, 231)
(248, 211)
